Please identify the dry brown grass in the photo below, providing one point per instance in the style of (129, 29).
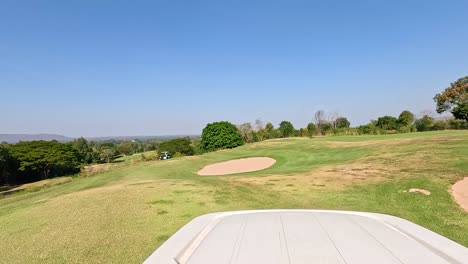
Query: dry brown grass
(389, 162)
(38, 185)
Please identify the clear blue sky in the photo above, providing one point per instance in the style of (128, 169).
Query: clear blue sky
(99, 68)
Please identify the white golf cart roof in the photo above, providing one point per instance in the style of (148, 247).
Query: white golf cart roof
(305, 236)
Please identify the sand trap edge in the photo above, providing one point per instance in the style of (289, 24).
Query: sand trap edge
(460, 193)
(237, 166)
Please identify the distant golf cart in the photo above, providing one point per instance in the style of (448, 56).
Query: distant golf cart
(165, 155)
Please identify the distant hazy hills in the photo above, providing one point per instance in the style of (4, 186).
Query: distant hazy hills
(14, 138)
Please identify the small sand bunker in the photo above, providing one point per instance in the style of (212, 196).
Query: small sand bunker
(460, 193)
(237, 166)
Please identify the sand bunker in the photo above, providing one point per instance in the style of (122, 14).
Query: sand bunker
(460, 193)
(237, 166)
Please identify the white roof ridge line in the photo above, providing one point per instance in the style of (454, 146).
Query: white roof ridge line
(186, 253)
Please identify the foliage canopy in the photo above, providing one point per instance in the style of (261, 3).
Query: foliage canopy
(406, 118)
(454, 99)
(342, 122)
(46, 158)
(178, 145)
(387, 123)
(286, 129)
(220, 135)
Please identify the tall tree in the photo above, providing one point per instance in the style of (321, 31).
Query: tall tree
(260, 129)
(269, 131)
(319, 120)
(454, 99)
(84, 149)
(332, 117)
(286, 129)
(406, 118)
(311, 129)
(246, 131)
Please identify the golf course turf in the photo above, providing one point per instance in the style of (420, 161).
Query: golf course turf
(124, 214)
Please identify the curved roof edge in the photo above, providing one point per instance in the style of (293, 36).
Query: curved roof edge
(303, 236)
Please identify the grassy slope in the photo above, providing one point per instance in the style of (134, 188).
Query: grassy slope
(122, 216)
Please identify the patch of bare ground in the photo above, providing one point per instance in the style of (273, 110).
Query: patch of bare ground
(379, 167)
(391, 142)
(38, 185)
(386, 142)
(94, 169)
(267, 143)
(330, 177)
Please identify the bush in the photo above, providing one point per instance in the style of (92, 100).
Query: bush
(149, 157)
(220, 135)
(342, 122)
(457, 124)
(404, 129)
(369, 129)
(387, 123)
(327, 128)
(346, 132)
(426, 123)
(178, 155)
(440, 125)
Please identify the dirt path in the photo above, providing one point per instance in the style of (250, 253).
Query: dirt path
(460, 193)
(237, 166)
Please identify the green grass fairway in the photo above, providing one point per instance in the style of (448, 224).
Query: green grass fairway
(123, 215)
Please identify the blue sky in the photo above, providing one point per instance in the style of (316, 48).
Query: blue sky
(106, 68)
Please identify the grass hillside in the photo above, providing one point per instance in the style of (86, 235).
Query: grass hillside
(123, 215)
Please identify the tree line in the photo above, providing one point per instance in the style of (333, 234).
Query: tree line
(30, 161)
(453, 99)
(223, 134)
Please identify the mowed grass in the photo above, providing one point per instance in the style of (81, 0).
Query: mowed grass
(123, 215)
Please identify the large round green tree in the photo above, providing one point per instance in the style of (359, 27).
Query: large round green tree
(220, 135)
(406, 118)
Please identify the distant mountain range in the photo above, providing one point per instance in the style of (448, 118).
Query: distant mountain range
(15, 138)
